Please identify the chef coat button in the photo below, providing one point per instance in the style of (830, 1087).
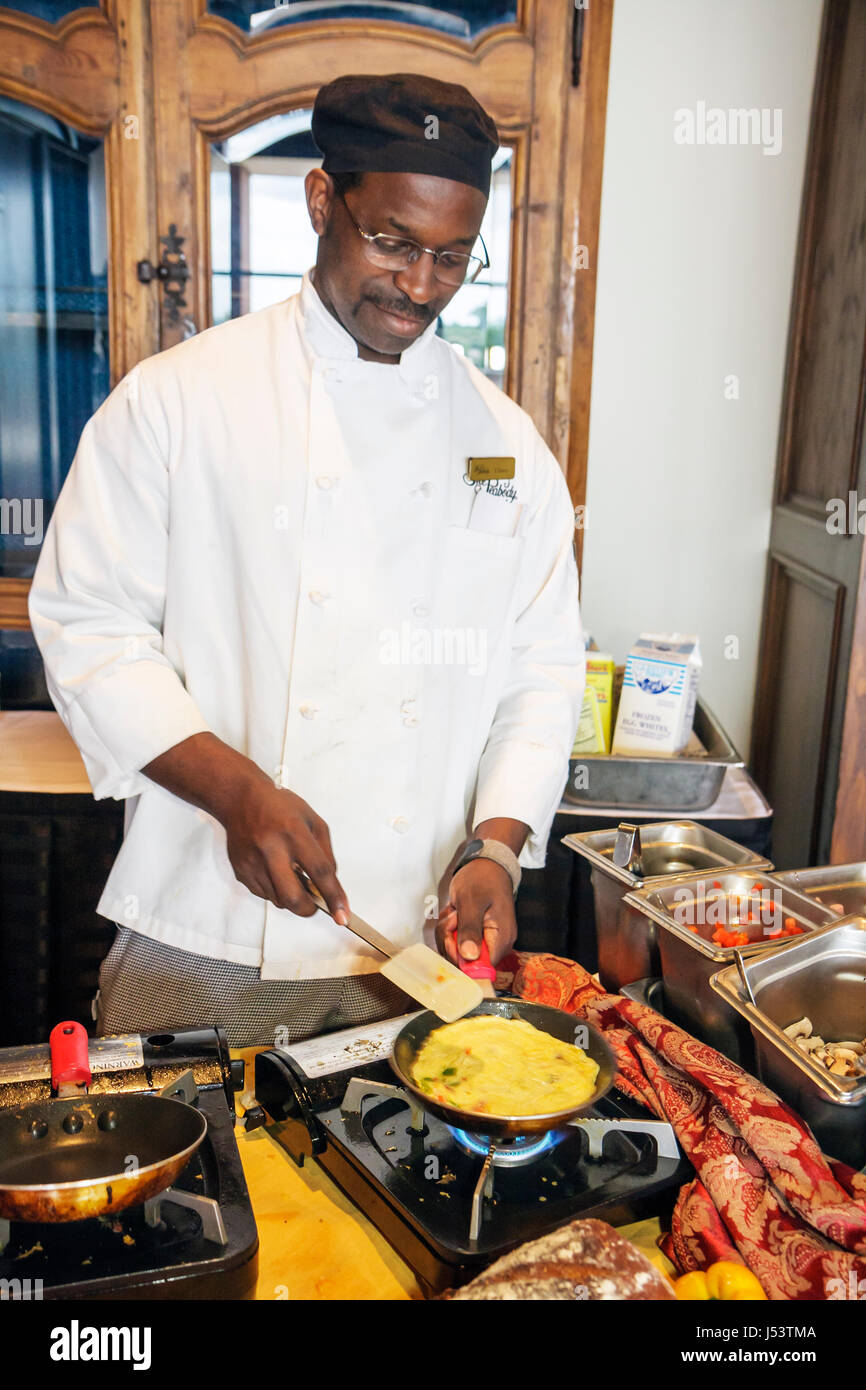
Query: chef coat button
(419, 608)
(325, 482)
(316, 596)
(410, 720)
(308, 711)
(424, 490)
(400, 824)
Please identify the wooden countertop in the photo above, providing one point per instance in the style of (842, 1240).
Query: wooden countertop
(38, 755)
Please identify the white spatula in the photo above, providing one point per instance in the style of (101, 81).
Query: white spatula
(428, 977)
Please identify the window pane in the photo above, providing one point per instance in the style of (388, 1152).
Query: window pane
(463, 20)
(476, 317)
(261, 238)
(262, 241)
(53, 316)
(50, 10)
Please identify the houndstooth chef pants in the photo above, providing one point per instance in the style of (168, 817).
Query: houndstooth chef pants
(146, 986)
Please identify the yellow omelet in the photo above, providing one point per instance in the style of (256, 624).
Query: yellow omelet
(503, 1066)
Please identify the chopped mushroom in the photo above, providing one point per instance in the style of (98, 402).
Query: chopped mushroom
(842, 1058)
(802, 1029)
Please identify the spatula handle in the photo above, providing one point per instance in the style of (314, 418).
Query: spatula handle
(310, 887)
(480, 969)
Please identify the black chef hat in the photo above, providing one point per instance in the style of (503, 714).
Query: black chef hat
(404, 124)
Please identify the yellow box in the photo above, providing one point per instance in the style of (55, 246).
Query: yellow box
(599, 677)
(590, 731)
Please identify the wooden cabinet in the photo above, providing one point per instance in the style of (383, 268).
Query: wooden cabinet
(56, 847)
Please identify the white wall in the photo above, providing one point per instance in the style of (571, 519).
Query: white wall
(695, 273)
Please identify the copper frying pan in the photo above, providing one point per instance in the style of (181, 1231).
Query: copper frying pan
(79, 1156)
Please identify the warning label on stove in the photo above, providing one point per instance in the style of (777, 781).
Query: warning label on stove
(123, 1053)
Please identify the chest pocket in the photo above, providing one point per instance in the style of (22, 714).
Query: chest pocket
(477, 577)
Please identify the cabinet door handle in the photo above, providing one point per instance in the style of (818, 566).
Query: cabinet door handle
(173, 272)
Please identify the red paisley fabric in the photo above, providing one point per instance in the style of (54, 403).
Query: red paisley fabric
(764, 1193)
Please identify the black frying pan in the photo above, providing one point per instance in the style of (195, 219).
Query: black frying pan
(81, 1156)
(410, 1039)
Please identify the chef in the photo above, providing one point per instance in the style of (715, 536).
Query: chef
(308, 600)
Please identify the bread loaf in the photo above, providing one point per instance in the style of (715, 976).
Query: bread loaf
(584, 1260)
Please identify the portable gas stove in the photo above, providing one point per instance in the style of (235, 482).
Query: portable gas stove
(450, 1201)
(197, 1239)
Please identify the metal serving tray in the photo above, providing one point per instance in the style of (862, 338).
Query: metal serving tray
(822, 976)
(689, 958)
(836, 886)
(627, 938)
(680, 782)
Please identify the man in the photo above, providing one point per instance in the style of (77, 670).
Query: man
(285, 615)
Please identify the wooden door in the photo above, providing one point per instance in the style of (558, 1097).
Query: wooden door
(543, 78)
(808, 669)
(89, 71)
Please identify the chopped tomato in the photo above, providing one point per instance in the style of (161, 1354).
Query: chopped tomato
(726, 938)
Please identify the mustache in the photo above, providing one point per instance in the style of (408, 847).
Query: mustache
(405, 309)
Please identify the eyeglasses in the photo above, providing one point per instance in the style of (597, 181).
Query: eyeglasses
(398, 253)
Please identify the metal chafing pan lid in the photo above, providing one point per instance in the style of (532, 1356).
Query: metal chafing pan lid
(842, 938)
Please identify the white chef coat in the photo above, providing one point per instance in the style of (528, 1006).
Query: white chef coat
(266, 537)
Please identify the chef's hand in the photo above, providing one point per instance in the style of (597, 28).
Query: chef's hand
(480, 903)
(270, 830)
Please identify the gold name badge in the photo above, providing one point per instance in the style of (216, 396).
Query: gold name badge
(482, 469)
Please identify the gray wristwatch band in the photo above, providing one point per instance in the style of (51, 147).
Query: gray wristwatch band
(499, 854)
